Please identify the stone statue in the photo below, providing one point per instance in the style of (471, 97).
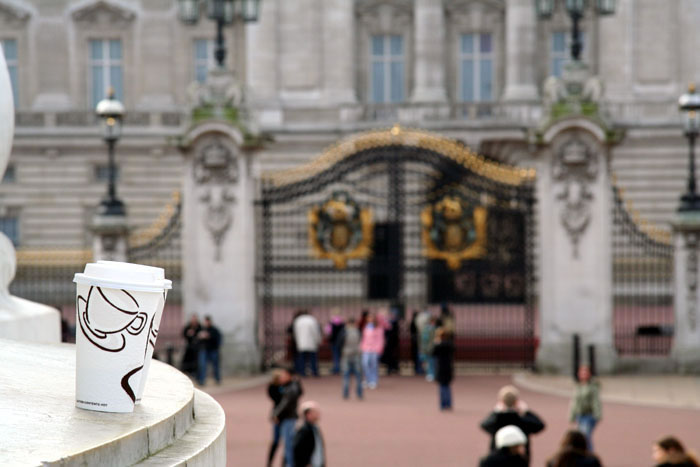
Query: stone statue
(19, 318)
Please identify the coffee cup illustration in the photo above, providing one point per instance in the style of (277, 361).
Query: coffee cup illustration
(107, 315)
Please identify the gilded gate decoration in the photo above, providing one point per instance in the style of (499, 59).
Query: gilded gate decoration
(340, 230)
(454, 231)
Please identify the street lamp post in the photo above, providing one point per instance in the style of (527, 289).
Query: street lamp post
(111, 112)
(224, 12)
(689, 105)
(576, 10)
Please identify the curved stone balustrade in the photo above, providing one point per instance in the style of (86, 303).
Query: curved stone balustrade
(173, 425)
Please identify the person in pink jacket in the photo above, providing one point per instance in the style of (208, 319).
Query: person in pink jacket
(372, 346)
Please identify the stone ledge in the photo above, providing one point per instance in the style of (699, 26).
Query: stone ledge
(204, 444)
(42, 426)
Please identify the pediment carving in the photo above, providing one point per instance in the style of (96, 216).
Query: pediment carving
(103, 12)
(366, 8)
(464, 6)
(13, 14)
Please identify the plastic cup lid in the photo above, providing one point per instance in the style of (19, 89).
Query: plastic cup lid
(128, 276)
(159, 272)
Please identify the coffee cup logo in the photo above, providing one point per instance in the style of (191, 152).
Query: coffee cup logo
(106, 314)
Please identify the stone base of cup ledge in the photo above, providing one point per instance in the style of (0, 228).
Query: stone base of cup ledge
(204, 444)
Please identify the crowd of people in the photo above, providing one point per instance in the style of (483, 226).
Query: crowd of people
(359, 346)
(202, 343)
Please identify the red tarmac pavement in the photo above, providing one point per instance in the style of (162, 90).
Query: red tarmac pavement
(399, 424)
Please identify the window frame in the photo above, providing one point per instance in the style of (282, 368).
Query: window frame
(106, 63)
(476, 56)
(210, 60)
(11, 213)
(387, 59)
(15, 64)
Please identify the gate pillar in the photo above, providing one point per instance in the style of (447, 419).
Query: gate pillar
(574, 223)
(686, 299)
(219, 240)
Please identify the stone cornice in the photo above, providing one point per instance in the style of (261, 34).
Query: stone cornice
(102, 12)
(12, 12)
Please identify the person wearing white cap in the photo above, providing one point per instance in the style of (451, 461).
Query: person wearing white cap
(510, 449)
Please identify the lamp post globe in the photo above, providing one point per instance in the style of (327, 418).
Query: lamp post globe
(111, 112)
(689, 105)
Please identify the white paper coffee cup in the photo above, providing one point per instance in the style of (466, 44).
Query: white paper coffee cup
(154, 325)
(117, 305)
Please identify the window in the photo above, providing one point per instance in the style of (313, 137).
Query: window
(9, 225)
(9, 47)
(476, 67)
(560, 51)
(106, 69)
(387, 69)
(102, 173)
(203, 58)
(9, 176)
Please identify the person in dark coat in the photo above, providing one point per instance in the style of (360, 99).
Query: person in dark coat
(273, 391)
(309, 448)
(443, 352)
(510, 449)
(573, 452)
(285, 412)
(191, 355)
(415, 353)
(337, 325)
(209, 339)
(390, 357)
(510, 410)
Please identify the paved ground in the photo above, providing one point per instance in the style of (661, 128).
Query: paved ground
(399, 423)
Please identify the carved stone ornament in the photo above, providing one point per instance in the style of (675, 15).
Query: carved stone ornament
(575, 167)
(215, 170)
(215, 164)
(691, 278)
(14, 15)
(103, 12)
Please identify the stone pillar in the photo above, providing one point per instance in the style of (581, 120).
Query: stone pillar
(521, 43)
(219, 241)
(686, 340)
(339, 51)
(109, 238)
(429, 17)
(574, 227)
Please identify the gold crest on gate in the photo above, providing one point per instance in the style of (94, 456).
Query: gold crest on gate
(340, 230)
(454, 231)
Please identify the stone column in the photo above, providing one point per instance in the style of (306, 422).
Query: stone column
(686, 340)
(429, 17)
(219, 241)
(339, 51)
(575, 287)
(521, 57)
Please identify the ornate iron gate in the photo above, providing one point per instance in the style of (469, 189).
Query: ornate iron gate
(405, 219)
(643, 318)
